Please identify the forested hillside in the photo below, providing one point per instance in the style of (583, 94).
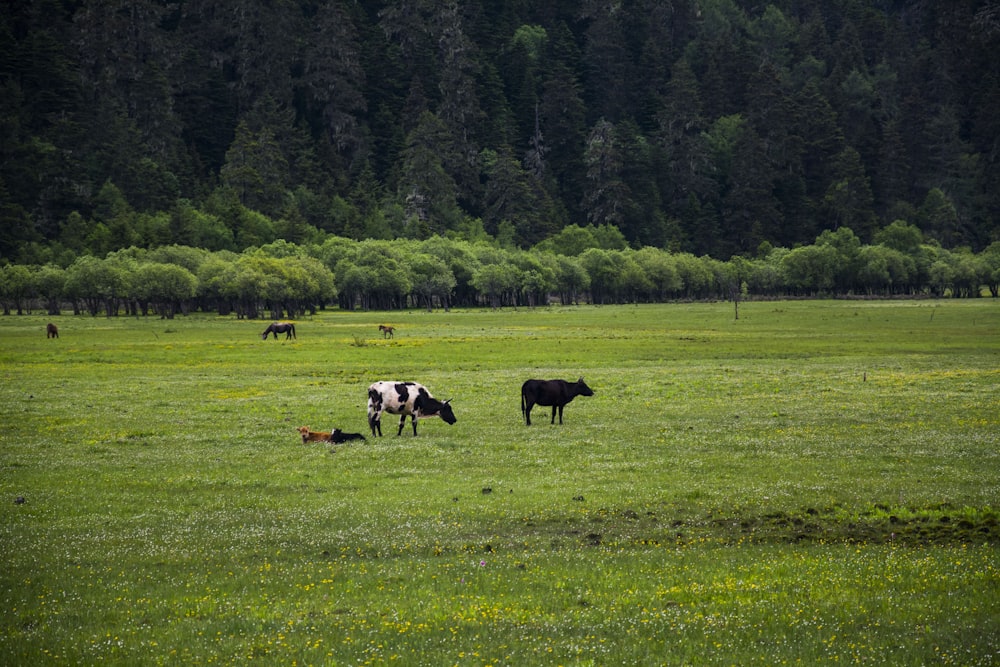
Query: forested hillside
(707, 127)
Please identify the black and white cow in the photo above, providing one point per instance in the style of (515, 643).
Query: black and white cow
(404, 398)
(556, 393)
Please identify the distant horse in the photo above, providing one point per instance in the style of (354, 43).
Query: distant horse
(276, 328)
(51, 331)
(387, 331)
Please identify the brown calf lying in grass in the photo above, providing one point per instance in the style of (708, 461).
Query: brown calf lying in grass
(314, 436)
(337, 436)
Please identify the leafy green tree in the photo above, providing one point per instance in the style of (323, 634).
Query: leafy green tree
(696, 276)
(354, 282)
(661, 271)
(991, 268)
(245, 284)
(632, 281)
(460, 258)
(167, 287)
(811, 270)
(15, 288)
(50, 284)
(765, 277)
(213, 288)
(98, 283)
(602, 270)
(497, 283)
(571, 278)
(537, 278)
(389, 280)
(431, 279)
(571, 240)
(847, 246)
(941, 274)
(902, 236)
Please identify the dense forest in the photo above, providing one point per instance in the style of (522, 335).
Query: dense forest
(723, 130)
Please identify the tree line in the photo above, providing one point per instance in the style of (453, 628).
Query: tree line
(579, 264)
(707, 127)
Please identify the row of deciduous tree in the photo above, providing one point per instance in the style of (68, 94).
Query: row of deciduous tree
(579, 264)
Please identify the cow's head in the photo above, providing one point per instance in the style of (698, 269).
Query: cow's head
(583, 389)
(446, 413)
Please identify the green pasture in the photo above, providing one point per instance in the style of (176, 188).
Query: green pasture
(814, 482)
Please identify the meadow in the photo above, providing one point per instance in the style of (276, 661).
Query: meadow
(816, 482)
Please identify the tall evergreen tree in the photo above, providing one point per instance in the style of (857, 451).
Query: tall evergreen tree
(426, 189)
(606, 196)
(336, 80)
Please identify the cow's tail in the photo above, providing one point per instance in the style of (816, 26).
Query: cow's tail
(523, 406)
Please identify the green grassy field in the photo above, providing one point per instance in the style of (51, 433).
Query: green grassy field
(816, 482)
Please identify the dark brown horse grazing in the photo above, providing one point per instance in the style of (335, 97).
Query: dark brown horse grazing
(276, 328)
(51, 331)
(387, 331)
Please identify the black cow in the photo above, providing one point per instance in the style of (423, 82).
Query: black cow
(404, 398)
(556, 393)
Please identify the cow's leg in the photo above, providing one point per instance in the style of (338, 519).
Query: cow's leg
(554, 408)
(527, 413)
(375, 423)
(560, 414)
(402, 423)
(414, 420)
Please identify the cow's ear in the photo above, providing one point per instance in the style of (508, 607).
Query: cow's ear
(447, 402)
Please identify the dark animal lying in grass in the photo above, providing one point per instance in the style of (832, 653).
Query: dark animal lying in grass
(336, 437)
(339, 436)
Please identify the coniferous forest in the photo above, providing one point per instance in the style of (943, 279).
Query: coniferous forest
(510, 149)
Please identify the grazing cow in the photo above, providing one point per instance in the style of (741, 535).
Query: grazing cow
(51, 331)
(404, 398)
(387, 331)
(556, 393)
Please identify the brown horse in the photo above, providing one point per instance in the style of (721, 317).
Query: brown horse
(276, 328)
(51, 331)
(387, 331)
